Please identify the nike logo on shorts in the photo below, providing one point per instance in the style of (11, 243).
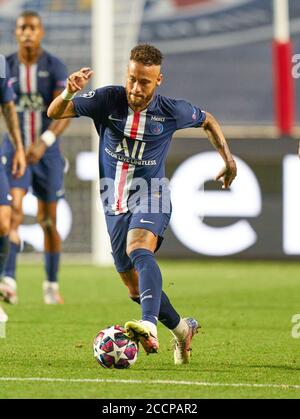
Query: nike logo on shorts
(146, 222)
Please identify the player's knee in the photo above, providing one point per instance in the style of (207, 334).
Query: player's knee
(17, 216)
(4, 227)
(135, 245)
(46, 223)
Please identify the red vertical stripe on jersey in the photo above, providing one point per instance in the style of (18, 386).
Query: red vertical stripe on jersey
(135, 125)
(133, 134)
(32, 115)
(122, 186)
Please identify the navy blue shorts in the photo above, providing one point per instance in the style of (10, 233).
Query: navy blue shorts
(118, 227)
(5, 198)
(46, 178)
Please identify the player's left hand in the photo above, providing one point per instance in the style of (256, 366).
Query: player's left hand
(228, 174)
(299, 150)
(36, 152)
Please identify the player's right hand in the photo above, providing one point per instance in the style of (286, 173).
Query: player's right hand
(77, 81)
(19, 163)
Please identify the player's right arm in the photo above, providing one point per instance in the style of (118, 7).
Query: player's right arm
(12, 123)
(62, 106)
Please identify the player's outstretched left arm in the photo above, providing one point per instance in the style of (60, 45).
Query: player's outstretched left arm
(217, 138)
(37, 150)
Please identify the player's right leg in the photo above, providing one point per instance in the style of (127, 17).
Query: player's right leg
(117, 226)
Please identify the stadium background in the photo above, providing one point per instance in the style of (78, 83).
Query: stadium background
(219, 58)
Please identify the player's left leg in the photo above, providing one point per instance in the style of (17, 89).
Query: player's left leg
(183, 329)
(141, 245)
(47, 214)
(48, 187)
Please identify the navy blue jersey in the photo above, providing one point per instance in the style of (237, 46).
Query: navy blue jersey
(6, 91)
(134, 145)
(34, 87)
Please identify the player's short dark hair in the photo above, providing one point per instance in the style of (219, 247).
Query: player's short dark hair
(146, 54)
(30, 13)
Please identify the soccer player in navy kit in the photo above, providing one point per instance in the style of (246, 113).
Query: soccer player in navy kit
(37, 77)
(136, 126)
(18, 169)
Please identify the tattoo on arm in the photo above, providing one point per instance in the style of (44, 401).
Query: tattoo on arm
(216, 137)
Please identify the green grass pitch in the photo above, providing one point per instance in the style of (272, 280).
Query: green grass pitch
(245, 348)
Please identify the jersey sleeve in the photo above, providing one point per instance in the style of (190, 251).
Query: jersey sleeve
(60, 74)
(6, 90)
(188, 115)
(92, 104)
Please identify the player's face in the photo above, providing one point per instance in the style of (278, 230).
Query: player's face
(29, 32)
(141, 84)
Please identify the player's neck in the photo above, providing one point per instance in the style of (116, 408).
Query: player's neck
(141, 108)
(29, 56)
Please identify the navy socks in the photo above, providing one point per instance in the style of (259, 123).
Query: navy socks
(168, 316)
(51, 266)
(4, 245)
(150, 284)
(10, 268)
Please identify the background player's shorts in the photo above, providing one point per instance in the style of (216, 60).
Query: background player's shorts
(46, 177)
(118, 227)
(5, 198)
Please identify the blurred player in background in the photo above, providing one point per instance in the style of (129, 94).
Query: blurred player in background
(17, 170)
(38, 77)
(136, 126)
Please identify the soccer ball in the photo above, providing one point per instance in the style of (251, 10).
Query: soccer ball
(113, 349)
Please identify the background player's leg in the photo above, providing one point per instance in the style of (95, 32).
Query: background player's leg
(52, 243)
(5, 215)
(17, 218)
(5, 291)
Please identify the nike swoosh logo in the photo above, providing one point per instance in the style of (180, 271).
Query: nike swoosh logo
(111, 118)
(146, 222)
(149, 289)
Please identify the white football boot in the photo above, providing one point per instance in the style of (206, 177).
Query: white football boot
(51, 293)
(182, 347)
(8, 290)
(3, 320)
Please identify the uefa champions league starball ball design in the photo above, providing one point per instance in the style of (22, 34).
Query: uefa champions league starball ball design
(113, 349)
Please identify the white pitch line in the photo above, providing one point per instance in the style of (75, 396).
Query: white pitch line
(172, 382)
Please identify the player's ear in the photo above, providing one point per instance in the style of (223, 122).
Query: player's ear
(159, 80)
